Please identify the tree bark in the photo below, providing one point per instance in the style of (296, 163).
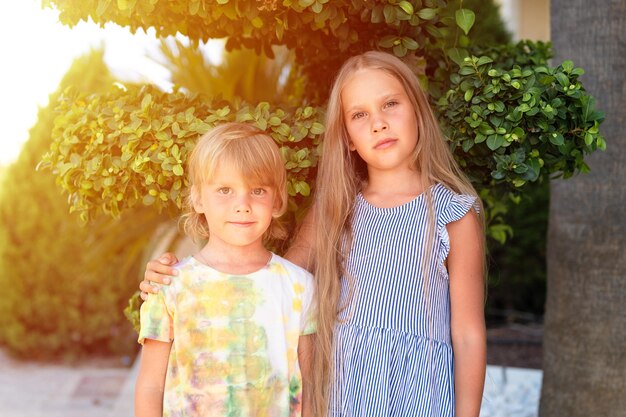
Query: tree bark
(585, 324)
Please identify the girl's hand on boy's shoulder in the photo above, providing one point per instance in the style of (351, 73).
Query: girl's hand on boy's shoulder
(158, 271)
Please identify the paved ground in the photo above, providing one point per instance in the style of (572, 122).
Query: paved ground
(35, 390)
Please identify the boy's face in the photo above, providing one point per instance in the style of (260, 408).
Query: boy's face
(237, 211)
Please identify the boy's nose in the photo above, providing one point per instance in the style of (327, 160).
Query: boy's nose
(242, 205)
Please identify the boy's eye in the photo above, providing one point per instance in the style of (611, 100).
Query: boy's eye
(258, 191)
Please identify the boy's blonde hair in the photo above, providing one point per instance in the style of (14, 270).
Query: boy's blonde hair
(249, 150)
(340, 176)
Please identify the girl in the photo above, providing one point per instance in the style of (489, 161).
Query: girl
(398, 255)
(229, 336)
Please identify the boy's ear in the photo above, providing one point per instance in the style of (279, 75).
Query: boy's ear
(278, 211)
(196, 199)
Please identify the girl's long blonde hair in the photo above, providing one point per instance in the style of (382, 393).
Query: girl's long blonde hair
(340, 176)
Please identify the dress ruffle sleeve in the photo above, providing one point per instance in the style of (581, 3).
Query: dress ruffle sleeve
(457, 206)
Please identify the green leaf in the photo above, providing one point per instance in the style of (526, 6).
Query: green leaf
(465, 19)
(194, 6)
(500, 232)
(399, 51)
(317, 128)
(557, 139)
(588, 104)
(377, 14)
(257, 22)
(458, 55)
(407, 7)
(562, 79)
(483, 60)
(387, 41)
(274, 121)
(494, 142)
(427, 13)
(103, 5)
(178, 170)
(409, 43)
(317, 7)
(390, 13)
(568, 66)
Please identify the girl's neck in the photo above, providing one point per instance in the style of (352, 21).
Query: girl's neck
(234, 260)
(392, 188)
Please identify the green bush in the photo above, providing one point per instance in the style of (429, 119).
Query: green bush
(517, 278)
(64, 284)
(512, 119)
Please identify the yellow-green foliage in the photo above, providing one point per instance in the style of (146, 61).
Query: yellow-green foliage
(128, 145)
(321, 32)
(510, 117)
(64, 285)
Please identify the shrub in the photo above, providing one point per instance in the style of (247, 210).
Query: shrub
(64, 284)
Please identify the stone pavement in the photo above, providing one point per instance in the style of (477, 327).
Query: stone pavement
(36, 390)
(30, 389)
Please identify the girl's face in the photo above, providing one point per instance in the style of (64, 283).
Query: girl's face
(237, 211)
(380, 120)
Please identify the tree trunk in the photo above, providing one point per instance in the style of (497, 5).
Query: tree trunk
(585, 326)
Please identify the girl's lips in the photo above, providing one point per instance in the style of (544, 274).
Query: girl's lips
(385, 143)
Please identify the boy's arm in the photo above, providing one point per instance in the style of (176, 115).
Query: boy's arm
(151, 379)
(467, 290)
(300, 252)
(305, 360)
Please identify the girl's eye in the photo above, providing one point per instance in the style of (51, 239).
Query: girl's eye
(223, 190)
(391, 103)
(358, 115)
(258, 191)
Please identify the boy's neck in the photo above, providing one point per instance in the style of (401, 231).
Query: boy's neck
(234, 260)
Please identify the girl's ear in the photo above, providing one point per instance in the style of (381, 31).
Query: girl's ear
(351, 146)
(196, 199)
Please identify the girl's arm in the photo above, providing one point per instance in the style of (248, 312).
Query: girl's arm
(158, 270)
(305, 359)
(150, 383)
(300, 251)
(467, 288)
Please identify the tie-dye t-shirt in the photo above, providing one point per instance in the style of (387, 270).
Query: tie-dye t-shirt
(234, 339)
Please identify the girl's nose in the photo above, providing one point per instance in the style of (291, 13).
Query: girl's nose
(379, 125)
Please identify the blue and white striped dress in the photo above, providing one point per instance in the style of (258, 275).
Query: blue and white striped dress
(392, 348)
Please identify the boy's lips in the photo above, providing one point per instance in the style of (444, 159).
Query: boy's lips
(242, 224)
(385, 143)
